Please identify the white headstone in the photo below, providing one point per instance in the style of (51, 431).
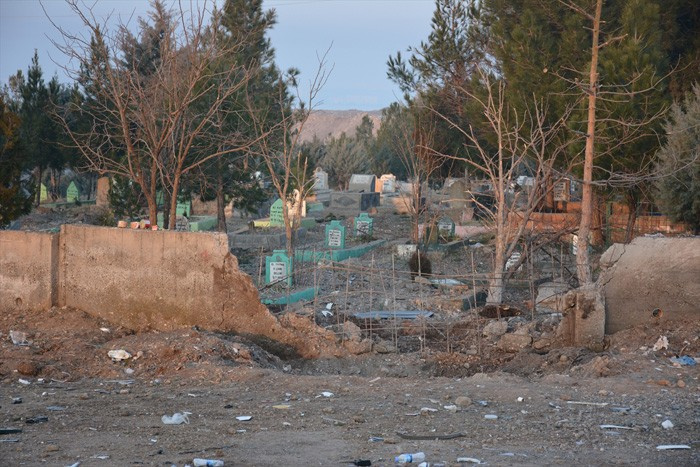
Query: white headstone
(361, 182)
(387, 182)
(320, 179)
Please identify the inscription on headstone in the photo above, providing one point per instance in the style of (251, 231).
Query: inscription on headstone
(183, 209)
(362, 183)
(278, 267)
(446, 227)
(388, 183)
(363, 225)
(335, 235)
(72, 194)
(277, 214)
(514, 258)
(561, 191)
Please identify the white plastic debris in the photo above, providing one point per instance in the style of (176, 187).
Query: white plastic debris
(491, 416)
(244, 418)
(119, 355)
(450, 408)
(661, 343)
(23, 381)
(104, 329)
(327, 394)
(177, 418)
(615, 427)
(520, 399)
(468, 460)
(669, 447)
(19, 338)
(667, 424)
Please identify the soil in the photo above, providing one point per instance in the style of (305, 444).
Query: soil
(550, 405)
(423, 385)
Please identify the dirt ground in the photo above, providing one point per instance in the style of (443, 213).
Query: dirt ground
(550, 405)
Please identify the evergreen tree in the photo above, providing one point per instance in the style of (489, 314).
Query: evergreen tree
(16, 192)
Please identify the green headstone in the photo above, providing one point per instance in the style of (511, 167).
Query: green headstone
(446, 227)
(183, 209)
(277, 214)
(44, 194)
(278, 266)
(72, 194)
(364, 225)
(335, 235)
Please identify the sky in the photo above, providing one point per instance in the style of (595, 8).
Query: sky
(359, 36)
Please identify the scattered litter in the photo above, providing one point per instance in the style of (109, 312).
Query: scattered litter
(661, 343)
(428, 409)
(597, 404)
(358, 462)
(685, 360)
(286, 424)
(39, 419)
(77, 464)
(123, 382)
(468, 460)
(491, 416)
(100, 456)
(23, 381)
(376, 439)
(450, 408)
(197, 462)
(483, 403)
(16, 400)
(104, 329)
(55, 408)
(325, 394)
(333, 421)
(177, 418)
(129, 371)
(431, 436)
(329, 306)
(119, 355)
(554, 406)
(19, 338)
(244, 418)
(668, 447)
(10, 431)
(281, 406)
(667, 424)
(520, 399)
(616, 427)
(375, 379)
(410, 458)
(9, 440)
(620, 409)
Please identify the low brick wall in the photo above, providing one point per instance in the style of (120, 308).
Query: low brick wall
(28, 270)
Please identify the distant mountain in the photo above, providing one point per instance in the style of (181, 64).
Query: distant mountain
(327, 123)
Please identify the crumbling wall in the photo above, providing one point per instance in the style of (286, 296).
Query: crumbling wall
(28, 263)
(650, 279)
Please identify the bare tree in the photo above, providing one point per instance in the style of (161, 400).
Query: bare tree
(525, 140)
(154, 126)
(279, 144)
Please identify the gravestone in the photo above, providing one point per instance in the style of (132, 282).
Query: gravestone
(320, 179)
(514, 258)
(561, 190)
(335, 235)
(183, 209)
(182, 224)
(363, 225)
(353, 203)
(362, 183)
(44, 194)
(277, 214)
(278, 267)
(446, 227)
(387, 182)
(102, 198)
(72, 194)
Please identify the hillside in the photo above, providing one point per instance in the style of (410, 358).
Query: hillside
(327, 123)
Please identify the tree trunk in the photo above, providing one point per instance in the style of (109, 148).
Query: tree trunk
(166, 210)
(631, 217)
(173, 202)
(583, 266)
(220, 202)
(152, 208)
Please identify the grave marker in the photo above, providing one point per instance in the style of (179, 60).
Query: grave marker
(561, 190)
(44, 194)
(72, 194)
(446, 227)
(335, 235)
(277, 214)
(320, 179)
(183, 209)
(182, 224)
(363, 225)
(387, 182)
(362, 183)
(278, 267)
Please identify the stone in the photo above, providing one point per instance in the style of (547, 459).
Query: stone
(514, 342)
(183, 208)
(358, 347)
(349, 202)
(182, 224)
(495, 328)
(362, 183)
(550, 297)
(541, 344)
(278, 267)
(583, 323)
(463, 401)
(387, 183)
(27, 368)
(562, 190)
(335, 235)
(102, 197)
(351, 331)
(277, 214)
(446, 227)
(320, 179)
(364, 225)
(72, 193)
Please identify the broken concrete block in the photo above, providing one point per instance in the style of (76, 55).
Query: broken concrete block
(495, 328)
(514, 342)
(583, 323)
(550, 297)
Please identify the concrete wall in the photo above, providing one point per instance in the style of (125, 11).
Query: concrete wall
(28, 270)
(647, 274)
